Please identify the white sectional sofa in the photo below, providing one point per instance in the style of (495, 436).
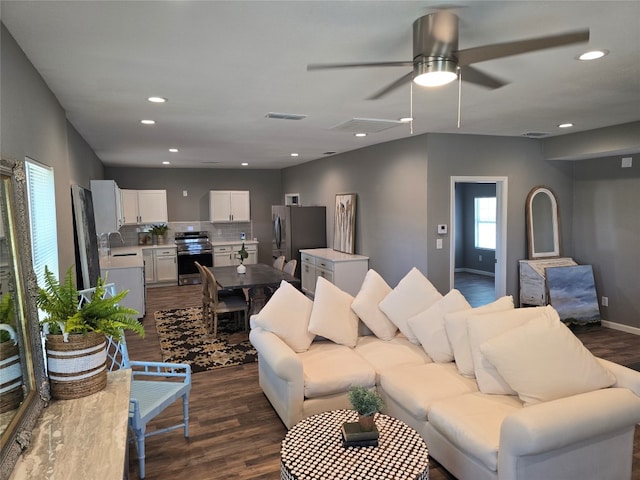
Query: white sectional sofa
(484, 408)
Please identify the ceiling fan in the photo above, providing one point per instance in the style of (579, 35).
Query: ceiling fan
(437, 60)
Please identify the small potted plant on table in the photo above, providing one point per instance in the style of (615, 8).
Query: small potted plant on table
(76, 332)
(367, 403)
(242, 255)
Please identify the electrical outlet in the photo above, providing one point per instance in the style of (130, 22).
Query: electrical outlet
(479, 258)
(605, 301)
(184, 193)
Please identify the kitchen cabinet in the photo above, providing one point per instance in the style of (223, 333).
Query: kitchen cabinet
(344, 270)
(128, 278)
(229, 206)
(161, 266)
(107, 206)
(227, 254)
(144, 206)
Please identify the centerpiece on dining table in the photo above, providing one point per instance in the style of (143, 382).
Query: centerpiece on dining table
(242, 255)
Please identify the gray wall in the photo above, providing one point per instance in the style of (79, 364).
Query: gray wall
(34, 125)
(606, 233)
(264, 185)
(389, 180)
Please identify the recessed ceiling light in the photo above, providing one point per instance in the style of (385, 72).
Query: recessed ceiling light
(360, 134)
(294, 154)
(565, 125)
(244, 164)
(173, 150)
(166, 163)
(148, 122)
(593, 55)
(405, 119)
(157, 99)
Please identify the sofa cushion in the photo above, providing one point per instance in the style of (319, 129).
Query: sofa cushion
(330, 368)
(373, 290)
(413, 294)
(331, 316)
(383, 354)
(484, 327)
(543, 360)
(456, 326)
(416, 387)
(428, 326)
(472, 422)
(287, 314)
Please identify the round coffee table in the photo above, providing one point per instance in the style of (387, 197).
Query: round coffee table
(313, 449)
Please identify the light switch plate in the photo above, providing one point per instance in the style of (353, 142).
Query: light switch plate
(438, 243)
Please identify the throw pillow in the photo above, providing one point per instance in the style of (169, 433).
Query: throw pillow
(543, 360)
(456, 326)
(373, 290)
(412, 295)
(331, 316)
(287, 314)
(428, 326)
(485, 327)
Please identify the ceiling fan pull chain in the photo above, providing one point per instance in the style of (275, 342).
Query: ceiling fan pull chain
(411, 108)
(459, 93)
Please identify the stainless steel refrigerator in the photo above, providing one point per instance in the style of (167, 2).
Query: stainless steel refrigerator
(296, 228)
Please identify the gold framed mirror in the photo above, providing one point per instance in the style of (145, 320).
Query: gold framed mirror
(26, 392)
(543, 223)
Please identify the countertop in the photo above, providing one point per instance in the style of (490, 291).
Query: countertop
(333, 255)
(218, 243)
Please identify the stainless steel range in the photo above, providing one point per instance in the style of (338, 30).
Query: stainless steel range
(192, 247)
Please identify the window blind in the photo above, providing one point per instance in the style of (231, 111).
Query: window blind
(42, 218)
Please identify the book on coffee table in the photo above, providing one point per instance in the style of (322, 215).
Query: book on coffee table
(351, 432)
(360, 443)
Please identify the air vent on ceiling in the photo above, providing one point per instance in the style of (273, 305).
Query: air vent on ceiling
(366, 125)
(285, 116)
(211, 163)
(329, 153)
(536, 134)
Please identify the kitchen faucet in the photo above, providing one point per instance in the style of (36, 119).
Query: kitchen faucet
(109, 239)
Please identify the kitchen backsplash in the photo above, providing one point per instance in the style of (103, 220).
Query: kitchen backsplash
(217, 231)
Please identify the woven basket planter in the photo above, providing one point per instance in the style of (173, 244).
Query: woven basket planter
(77, 368)
(11, 392)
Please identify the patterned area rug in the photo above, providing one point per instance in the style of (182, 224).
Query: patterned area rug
(184, 339)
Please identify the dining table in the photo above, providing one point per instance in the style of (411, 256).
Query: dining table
(255, 280)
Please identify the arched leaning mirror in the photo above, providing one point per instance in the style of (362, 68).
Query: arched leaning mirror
(23, 386)
(543, 224)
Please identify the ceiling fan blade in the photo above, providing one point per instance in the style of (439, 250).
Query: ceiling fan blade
(472, 75)
(398, 83)
(500, 50)
(327, 66)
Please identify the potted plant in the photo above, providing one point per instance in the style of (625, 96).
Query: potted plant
(242, 254)
(159, 232)
(367, 403)
(75, 326)
(10, 369)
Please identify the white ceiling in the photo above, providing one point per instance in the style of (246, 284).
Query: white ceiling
(223, 65)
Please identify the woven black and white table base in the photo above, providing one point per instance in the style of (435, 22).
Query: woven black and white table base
(313, 449)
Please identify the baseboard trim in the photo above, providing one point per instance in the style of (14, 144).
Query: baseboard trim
(477, 272)
(621, 327)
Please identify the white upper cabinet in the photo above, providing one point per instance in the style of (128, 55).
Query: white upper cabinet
(229, 206)
(144, 206)
(107, 205)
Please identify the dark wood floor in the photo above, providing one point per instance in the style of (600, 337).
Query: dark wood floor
(235, 434)
(477, 289)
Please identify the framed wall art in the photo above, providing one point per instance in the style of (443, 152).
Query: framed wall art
(344, 226)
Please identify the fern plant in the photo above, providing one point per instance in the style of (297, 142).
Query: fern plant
(101, 314)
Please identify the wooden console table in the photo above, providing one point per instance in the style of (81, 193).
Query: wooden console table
(81, 438)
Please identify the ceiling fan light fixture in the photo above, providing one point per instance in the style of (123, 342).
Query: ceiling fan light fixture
(435, 72)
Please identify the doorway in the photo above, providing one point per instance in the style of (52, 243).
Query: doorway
(481, 270)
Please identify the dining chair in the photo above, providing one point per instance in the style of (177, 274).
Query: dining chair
(278, 263)
(290, 267)
(154, 386)
(206, 298)
(232, 303)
